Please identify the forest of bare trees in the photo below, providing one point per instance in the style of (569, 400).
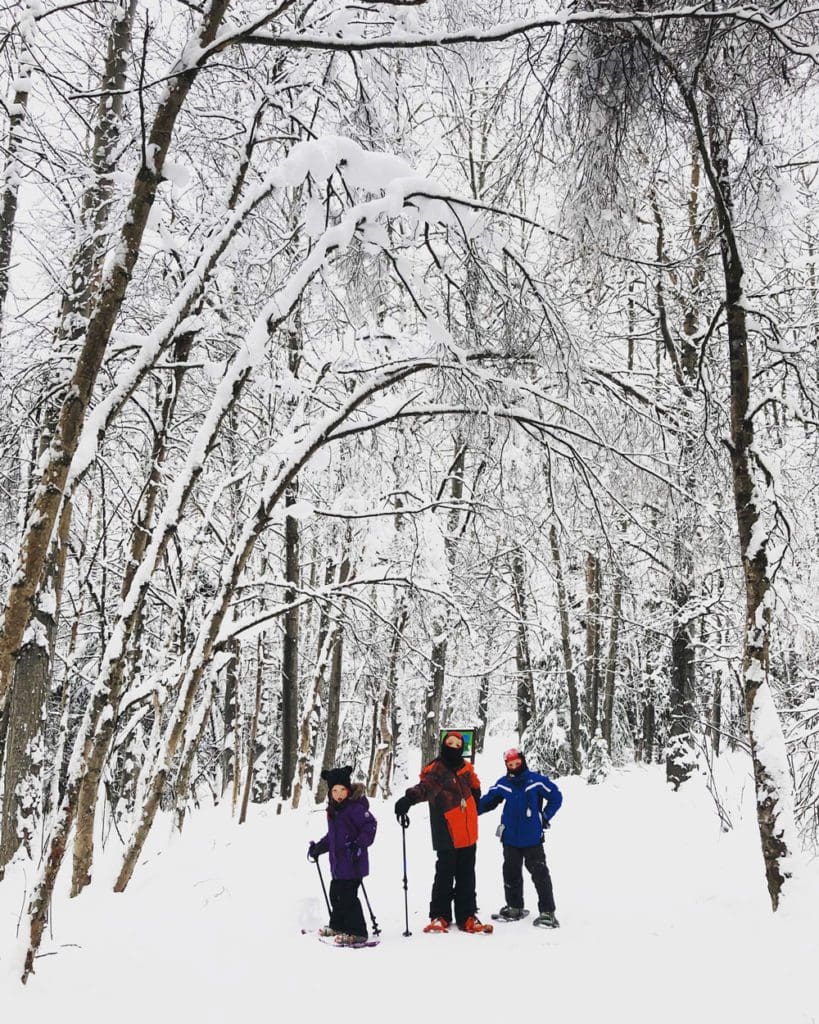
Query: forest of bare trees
(370, 368)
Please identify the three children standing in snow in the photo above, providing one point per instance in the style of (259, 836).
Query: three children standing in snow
(453, 791)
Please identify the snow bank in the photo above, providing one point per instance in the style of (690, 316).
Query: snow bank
(663, 917)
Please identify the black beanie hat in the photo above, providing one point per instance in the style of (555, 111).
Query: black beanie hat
(338, 776)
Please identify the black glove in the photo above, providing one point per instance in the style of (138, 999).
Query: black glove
(311, 852)
(546, 824)
(402, 806)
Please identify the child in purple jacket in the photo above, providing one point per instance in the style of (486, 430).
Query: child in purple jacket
(350, 830)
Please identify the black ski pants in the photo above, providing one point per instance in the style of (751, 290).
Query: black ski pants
(346, 914)
(514, 857)
(454, 881)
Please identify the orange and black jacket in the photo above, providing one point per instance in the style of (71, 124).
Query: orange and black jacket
(453, 797)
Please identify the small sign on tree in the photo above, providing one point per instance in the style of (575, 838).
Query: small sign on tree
(468, 736)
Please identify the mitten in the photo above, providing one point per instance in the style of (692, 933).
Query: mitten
(402, 806)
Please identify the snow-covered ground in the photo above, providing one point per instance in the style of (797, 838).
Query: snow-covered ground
(664, 919)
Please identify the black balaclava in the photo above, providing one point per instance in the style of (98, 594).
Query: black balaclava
(453, 757)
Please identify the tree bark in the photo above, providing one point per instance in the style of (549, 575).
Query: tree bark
(433, 694)
(47, 503)
(290, 652)
(611, 664)
(568, 663)
(333, 692)
(228, 759)
(526, 699)
(24, 749)
(254, 728)
(430, 739)
(140, 537)
(311, 716)
(774, 798)
(592, 642)
(13, 166)
(386, 712)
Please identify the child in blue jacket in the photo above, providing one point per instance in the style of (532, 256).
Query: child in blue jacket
(530, 801)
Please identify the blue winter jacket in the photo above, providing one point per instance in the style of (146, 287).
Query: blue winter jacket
(530, 799)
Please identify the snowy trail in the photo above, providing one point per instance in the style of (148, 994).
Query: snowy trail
(663, 919)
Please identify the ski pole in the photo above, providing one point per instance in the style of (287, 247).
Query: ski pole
(404, 822)
(323, 887)
(376, 929)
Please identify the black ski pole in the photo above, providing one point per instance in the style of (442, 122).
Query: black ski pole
(323, 887)
(404, 821)
(376, 929)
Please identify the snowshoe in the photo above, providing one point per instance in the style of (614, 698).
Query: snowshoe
(342, 941)
(326, 932)
(546, 920)
(437, 924)
(475, 927)
(510, 914)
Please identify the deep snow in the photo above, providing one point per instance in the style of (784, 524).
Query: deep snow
(664, 918)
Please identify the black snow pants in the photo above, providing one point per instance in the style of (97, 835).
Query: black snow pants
(346, 914)
(454, 881)
(535, 860)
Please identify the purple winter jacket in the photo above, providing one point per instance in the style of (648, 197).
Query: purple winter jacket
(350, 830)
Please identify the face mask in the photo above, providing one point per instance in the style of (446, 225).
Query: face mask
(451, 755)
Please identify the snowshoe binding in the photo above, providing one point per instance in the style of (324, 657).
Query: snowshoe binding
(546, 920)
(475, 927)
(341, 940)
(437, 924)
(510, 914)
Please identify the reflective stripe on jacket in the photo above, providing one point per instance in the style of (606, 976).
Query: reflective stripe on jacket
(529, 799)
